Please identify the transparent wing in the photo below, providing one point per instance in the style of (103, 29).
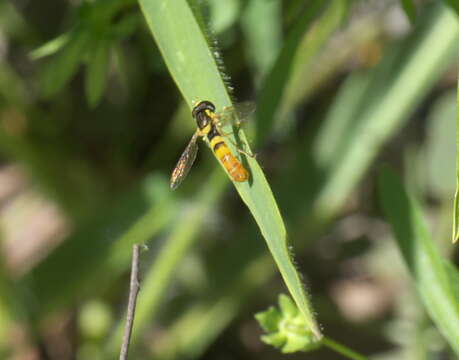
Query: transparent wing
(184, 163)
(237, 114)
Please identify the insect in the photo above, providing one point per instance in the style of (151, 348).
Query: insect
(209, 123)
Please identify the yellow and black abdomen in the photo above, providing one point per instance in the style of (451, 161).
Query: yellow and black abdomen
(223, 153)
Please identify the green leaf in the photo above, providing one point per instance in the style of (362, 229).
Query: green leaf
(421, 256)
(269, 319)
(192, 63)
(126, 26)
(262, 27)
(394, 93)
(456, 195)
(454, 4)
(410, 10)
(223, 14)
(275, 82)
(50, 47)
(63, 66)
(286, 328)
(453, 275)
(440, 146)
(309, 67)
(97, 70)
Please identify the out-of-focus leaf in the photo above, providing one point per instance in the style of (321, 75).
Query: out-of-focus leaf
(262, 26)
(126, 26)
(274, 83)
(65, 63)
(223, 14)
(50, 47)
(456, 195)
(97, 70)
(453, 275)
(454, 4)
(12, 87)
(188, 56)
(410, 10)
(399, 84)
(421, 256)
(308, 59)
(440, 146)
(339, 121)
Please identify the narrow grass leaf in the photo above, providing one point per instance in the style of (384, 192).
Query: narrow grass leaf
(50, 47)
(456, 195)
(63, 66)
(338, 123)
(453, 275)
(421, 256)
(275, 81)
(194, 65)
(304, 76)
(97, 70)
(262, 27)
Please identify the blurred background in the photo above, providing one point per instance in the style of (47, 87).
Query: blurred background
(92, 124)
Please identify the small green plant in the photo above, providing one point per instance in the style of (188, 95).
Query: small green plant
(286, 328)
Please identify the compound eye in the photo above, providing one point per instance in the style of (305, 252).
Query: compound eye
(202, 120)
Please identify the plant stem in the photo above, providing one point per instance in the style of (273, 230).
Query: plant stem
(133, 291)
(343, 350)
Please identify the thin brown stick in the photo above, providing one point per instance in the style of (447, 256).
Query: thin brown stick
(133, 291)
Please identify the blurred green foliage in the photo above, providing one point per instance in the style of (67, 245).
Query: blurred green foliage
(92, 123)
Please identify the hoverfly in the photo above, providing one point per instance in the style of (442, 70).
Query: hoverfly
(209, 128)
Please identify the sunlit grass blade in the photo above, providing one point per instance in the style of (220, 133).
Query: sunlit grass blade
(456, 195)
(421, 256)
(192, 63)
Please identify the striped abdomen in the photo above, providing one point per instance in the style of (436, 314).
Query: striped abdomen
(232, 165)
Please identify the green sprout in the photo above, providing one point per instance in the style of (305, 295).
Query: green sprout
(286, 327)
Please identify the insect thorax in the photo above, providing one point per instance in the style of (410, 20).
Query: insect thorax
(201, 113)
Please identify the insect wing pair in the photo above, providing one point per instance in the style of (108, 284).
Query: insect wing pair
(235, 115)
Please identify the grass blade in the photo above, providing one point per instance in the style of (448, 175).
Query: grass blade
(62, 67)
(421, 256)
(275, 82)
(97, 70)
(262, 28)
(192, 63)
(456, 195)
